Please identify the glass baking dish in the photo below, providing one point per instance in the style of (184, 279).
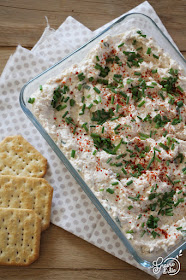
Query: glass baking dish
(125, 23)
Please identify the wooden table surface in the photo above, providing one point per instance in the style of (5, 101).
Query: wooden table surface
(63, 255)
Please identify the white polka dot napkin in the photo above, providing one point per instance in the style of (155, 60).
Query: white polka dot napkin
(71, 209)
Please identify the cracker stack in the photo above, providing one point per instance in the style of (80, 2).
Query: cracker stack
(25, 201)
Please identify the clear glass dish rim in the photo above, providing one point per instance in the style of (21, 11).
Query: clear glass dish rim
(69, 166)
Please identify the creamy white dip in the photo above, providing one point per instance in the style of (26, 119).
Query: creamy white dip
(119, 117)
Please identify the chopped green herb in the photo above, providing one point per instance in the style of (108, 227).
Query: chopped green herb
(112, 99)
(124, 171)
(156, 56)
(111, 191)
(31, 100)
(96, 90)
(129, 231)
(73, 153)
(137, 73)
(81, 76)
(61, 107)
(115, 183)
(72, 102)
(180, 103)
(166, 148)
(154, 71)
(143, 136)
(90, 106)
(152, 222)
(129, 182)
(85, 126)
(152, 160)
(121, 45)
(79, 87)
(154, 234)
(142, 103)
(140, 33)
(135, 198)
(64, 115)
(91, 79)
(149, 51)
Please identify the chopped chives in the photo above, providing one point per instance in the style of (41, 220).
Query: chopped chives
(142, 103)
(108, 160)
(157, 149)
(81, 76)
(65, 114)
(130, 207)
(148, 50)
(115, 183)
(97, 57)
(31, 100)
(139, 49)
(112, 99)
(121, 45)
(40, 87)
(180, 88)
(154, 71)
(73, 153)
(172, 146)
(137, 73)
(117, 107)
(79, 87)
(156, 56)
(61, 107)
(91, 79)
(143, 136)
(177, 181)
(166, 148)
(129, 231)
(180, 103)
(117, 126)
(111, 191)
(124, 171)
(94, 152)
(66, 99)
(96, 90)
(119, 164)
(83, 99)
(72, 102)
(83, 110)
(90, 106)
(152, 160)
(129, 182)
(85, 127)
(128, 64)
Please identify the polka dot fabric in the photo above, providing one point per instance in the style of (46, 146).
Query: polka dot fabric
(71, 208)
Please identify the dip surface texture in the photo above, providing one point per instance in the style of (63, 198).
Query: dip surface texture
(119, 117)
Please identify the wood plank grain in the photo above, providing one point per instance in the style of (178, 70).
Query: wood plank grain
(22, 22)
(61, 274)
